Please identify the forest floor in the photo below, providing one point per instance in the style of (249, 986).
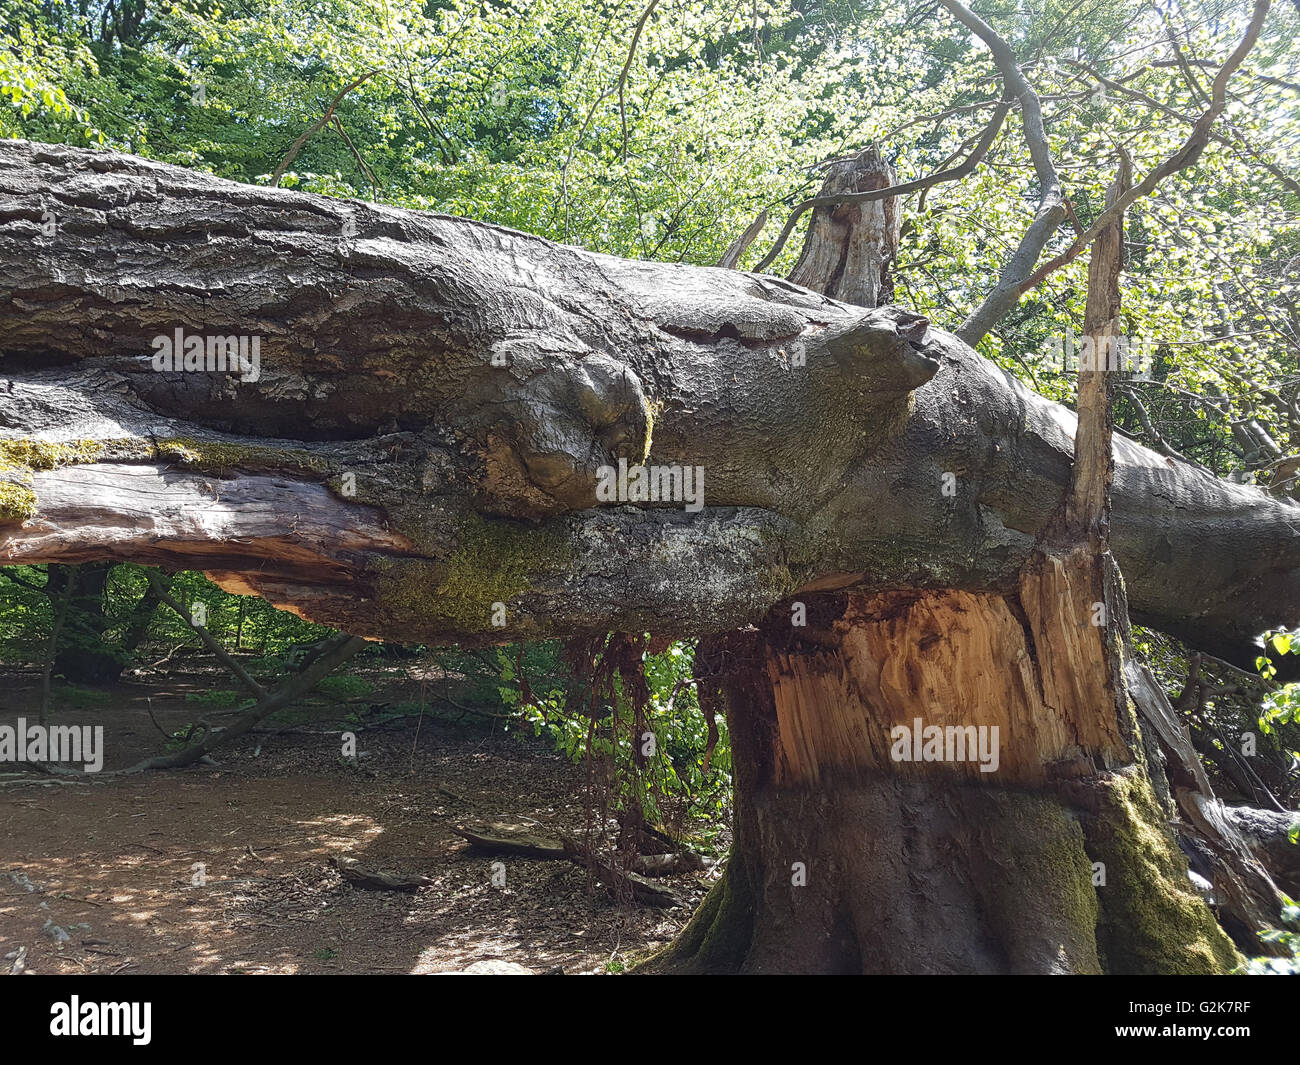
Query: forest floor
(98, 877)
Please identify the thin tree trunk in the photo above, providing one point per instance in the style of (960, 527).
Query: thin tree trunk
(83, 655)
(59, 608)
(142, 616)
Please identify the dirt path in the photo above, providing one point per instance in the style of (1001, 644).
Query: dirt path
(98, 878)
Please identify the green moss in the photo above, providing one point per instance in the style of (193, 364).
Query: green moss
(19, 461)
(336, 486)
(1035, 878)
(17, 502)
(214, 455)
(26, 456)
(491, 564)
(174, 452)
(1152, 922)
(718, 937)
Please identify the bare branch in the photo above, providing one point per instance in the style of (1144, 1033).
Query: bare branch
(924, 119)
(1267, 79)
(369, 174)
(162, 595)
(732, 255)
(1158, 441)
(627, 65)
(316, 126)
(1188, 154)
(1237, 141)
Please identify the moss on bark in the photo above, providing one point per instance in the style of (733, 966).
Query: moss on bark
(491, 564)
(1151, 921)
(718, 937)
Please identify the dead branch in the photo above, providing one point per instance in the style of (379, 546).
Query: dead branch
(208, 640)
(738, 246)
(316, 127)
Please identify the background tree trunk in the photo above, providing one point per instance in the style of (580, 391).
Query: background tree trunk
(82, 656)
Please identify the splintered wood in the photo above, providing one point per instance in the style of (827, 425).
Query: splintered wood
(1013, 701)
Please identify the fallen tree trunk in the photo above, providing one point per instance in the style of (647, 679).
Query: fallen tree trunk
(454, 388)
(948, 782)
(618, 882)
(500, 837)
(373, 879)
(340, 649)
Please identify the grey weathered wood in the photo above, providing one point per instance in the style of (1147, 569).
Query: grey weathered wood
(364, 876)
(500, 837)
(849, 248)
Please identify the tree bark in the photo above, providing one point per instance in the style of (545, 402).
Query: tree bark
(471, 380)
(82, 656)
(934, 866)
(850, 248)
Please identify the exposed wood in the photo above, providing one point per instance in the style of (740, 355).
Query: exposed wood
(951, 659)
(1268, 834)
(850, 858)
(850, 247)
(838, 199)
